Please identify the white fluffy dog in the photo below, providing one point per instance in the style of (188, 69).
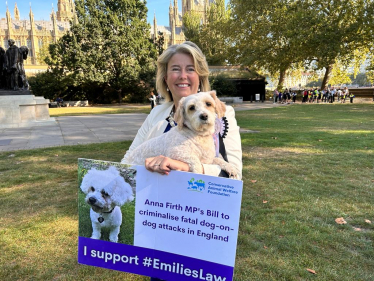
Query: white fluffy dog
(192, 141)
(106, 192)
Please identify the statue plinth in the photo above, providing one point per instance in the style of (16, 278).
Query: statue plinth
(15, 93)
(22, 109)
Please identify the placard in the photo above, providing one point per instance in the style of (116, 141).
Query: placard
(182, 226)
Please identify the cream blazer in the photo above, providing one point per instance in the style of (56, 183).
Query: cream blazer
(155, 125)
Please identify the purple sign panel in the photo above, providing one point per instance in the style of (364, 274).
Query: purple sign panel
(149, 262)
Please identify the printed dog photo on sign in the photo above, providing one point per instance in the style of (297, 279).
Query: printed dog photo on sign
(106, 201)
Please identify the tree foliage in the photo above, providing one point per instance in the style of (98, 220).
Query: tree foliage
(213, 40)
(192, 26)
(278, 35)
(109, 49)
(210, 35)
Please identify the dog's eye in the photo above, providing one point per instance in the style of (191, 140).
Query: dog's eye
(92, 188)
(208, 104)
(192, 107)
(104, 193)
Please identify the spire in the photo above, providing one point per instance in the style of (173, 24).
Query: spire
(9, 21)
(31, 16)
(154, 28)
(54, 23)
(16, 12)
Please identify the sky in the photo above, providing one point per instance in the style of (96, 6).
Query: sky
(42, 9)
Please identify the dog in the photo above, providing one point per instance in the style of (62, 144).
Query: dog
(106, 192)
(192, 141)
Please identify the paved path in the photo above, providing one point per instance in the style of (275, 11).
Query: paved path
(71, 130)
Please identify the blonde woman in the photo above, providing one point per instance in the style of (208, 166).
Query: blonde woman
(182, 70)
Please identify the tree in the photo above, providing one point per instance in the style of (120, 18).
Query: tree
(109, 48)
(265, 35)
(337, 30)
(278, 35)
(160, 43)
(192, 26)
(213, 39)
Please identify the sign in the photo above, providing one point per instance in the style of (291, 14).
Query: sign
(182, 226)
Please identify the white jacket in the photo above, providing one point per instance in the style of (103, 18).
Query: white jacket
(155, 125)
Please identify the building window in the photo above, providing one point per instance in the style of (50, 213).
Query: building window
(6, 44)
(29, 45)
(18, 43)
(40, 41)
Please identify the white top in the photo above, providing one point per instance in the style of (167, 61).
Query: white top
(155, 125)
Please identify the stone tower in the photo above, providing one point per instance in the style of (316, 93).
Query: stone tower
(65, 10)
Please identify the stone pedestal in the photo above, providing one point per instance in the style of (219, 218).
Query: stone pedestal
(24, 110)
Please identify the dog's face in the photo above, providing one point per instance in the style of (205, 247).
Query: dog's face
(105, 189)
(198, 112)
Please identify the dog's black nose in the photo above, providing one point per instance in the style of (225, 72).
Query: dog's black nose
(92, 200)
(204, 116)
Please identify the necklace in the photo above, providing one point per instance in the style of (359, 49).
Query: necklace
(170, 119)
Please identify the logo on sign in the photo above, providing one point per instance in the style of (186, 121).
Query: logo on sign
(196, 185)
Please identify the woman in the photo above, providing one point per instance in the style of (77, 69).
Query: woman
(182, 70)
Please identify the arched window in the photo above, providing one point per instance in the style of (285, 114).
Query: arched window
(29, 45)
(40, 43)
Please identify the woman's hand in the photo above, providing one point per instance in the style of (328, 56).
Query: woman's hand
(164, 165)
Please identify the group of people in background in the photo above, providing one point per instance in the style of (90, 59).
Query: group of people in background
(327, 95)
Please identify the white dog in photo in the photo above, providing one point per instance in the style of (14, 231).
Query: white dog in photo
(106, 192)
(192, 141)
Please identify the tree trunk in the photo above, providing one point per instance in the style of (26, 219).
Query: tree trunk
(327, 76)
(120, 96)
(282, 77)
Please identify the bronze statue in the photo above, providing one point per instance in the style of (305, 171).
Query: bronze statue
(22, 81)
(2, 69)
(12, 55)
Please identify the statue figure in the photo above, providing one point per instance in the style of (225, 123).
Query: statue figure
(22, 81)
(2, 69)
(12, 55)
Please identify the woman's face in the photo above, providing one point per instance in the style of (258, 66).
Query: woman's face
(181, 77)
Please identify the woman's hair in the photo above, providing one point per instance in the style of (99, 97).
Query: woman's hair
(200, 63)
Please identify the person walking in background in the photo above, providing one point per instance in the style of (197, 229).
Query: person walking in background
(333, 92)
(294, 94)
(153, 100)
(305, 95)
(351, 96)
(345, 93)
(310, 96)
(275, 96)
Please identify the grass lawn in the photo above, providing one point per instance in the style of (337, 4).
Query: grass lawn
(91, 110)
(305, 166)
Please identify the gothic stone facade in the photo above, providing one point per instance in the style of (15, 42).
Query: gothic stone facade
(173, 33)
(36, 35)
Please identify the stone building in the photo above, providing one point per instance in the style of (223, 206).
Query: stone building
(173, 33)
(36, 34)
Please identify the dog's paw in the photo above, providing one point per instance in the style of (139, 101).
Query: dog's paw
(227, 167)
(231, 170)
(113, 238)
(95, 237)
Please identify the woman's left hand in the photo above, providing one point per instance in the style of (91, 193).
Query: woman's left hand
(164, 165)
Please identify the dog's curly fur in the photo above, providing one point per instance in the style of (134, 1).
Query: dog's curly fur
(192, 141)
(106, 192)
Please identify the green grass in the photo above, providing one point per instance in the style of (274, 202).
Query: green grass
(92, 110)
(306, 166)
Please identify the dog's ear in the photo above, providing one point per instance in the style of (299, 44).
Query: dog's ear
(179, 113)
(220, 106)
(122, 192)
(88, 180)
